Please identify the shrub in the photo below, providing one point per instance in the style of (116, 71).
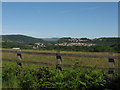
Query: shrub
(44, 77)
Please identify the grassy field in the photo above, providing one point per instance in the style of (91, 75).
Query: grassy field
(38, 77)
(0, 73)
(75, 52)
(66, 60)
(46, 76)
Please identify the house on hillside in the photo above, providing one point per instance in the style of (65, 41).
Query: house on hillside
(39, 45)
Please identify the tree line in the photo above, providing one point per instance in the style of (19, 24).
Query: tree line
(97, 48)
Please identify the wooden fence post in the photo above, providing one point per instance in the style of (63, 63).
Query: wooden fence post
(111, 70)
(59, 62)
(19, 55)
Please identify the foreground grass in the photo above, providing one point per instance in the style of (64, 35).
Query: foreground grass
(0, 74)
(35, 76)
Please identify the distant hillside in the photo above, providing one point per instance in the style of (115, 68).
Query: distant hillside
(106, 44)
(98, 41)
(20, 39)
(29, 39)
(106, 40)
(50, 39)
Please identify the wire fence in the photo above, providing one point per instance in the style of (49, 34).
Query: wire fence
(64, 54)
(111, 68)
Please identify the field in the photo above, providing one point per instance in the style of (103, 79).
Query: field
(78, 72)
(66, 59)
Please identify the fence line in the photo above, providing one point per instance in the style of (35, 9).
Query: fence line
(111, 69)
(64, 54)
(64, 65)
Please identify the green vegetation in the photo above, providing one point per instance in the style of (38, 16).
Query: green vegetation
(46, 76)
(66, 60)
(102, 44)
(96, 48)
(26, 42)
(0, 78)
(15, 44)
(20, 39)
(31, 76)
(97, 45)
(36, 76)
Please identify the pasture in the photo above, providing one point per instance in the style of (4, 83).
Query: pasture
(80, 70)
(67, 60)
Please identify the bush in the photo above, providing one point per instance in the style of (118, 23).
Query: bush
(43, 77)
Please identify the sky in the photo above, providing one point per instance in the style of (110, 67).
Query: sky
(0, 17)
(60, 19)
(59, 0)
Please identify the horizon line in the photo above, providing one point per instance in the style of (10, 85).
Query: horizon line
(65, 36)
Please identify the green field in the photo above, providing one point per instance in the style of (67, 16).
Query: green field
(46, 76)
(39, 77)
(66, 60)
(0, 78)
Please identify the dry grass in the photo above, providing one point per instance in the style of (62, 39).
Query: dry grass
(70, 52)
(69, 60)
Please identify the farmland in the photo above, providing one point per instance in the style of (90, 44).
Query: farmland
(66, 59)
(79, 71)
(39, 77)
(60, 45)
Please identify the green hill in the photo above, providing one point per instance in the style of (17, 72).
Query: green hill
(97, 41)
(51, 39)
(20, 39)
(106, 44)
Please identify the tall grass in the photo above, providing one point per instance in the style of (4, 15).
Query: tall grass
(37, 77)
(66, 60)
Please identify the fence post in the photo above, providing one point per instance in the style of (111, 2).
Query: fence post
(111, 69)
(19, 55)
(59, 62)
